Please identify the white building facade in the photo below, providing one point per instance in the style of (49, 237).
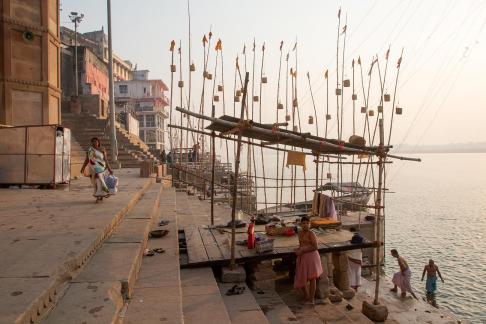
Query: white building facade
(146, 98)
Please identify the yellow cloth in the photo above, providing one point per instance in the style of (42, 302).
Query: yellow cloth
(296, 158)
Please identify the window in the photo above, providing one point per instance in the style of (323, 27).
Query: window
(141, 135)
(123, 88)
(149, 121)
(150, 136)
(140, 121)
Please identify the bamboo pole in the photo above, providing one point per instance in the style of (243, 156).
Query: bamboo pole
(317, 127)
(394, 96)
(378, 215)
(213, 161)
(182, 115)
(260, 120)
(276, 110)
(237, 165)
(189, 68)
(286, 114)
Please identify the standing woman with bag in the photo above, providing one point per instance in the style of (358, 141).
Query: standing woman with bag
(95, 164)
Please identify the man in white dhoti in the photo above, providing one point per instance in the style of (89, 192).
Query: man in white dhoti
(354, 268)
(402, 278)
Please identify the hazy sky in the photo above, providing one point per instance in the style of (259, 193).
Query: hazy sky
(442, 83)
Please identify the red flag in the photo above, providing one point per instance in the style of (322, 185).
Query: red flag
(204, 40)
(210, 35)
(399, 62)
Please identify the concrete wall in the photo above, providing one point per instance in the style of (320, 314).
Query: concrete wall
(29, 50)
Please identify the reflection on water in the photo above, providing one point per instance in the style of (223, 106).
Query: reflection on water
(437, 211)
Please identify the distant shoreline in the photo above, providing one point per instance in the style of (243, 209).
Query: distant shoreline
(447, 148)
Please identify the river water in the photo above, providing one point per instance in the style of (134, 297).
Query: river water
(436, 209)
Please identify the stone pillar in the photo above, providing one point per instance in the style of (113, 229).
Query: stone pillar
(340, 274)
(29, 70)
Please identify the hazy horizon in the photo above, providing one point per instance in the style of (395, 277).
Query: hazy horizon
(441, 80)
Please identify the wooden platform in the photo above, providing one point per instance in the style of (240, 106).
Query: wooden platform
(211, 246)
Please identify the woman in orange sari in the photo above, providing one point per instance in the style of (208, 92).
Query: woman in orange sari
(308, 267)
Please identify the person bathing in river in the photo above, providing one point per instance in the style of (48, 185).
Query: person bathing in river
(308, 267)
(97, 163)
(402, 278)
(432, 271)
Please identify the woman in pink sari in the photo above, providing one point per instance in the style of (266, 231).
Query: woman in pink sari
(308, 267)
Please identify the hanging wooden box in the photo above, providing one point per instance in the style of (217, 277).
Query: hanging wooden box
(280, 106)
(398, 110)
(380, 109)
(371, 113)
(255, 98)
(180, 84)
(338, 92)
(238, 93)
(216, 98)
(346, 83)
(354, 96)
(329, 175)
(210, 76)
(220, 87)
(296, 128)
(205, 74)
(295, 103)
(237, 99)
(386, 97)
(192, 67)
(173, 68)
(328, 117)
(287, 118)
(363, 110)
(264, 80)
(311, 120)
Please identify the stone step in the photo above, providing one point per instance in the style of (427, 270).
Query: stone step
(243, 308)
(98, 292)
(40, 269)
(201, 299)
(157, 296)
(274, 308)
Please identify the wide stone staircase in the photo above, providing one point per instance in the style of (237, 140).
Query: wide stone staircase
(131, 150)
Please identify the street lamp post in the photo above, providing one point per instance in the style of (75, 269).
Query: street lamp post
(113, 142)
(76, 19)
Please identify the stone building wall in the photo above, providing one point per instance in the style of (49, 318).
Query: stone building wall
(29, 51)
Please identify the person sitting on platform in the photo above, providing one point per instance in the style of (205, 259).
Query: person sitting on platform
(308, 267)
(402, 278)
(431, 284)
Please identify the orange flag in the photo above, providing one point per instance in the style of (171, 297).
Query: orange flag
(204, 40)
(218, 45)
(172, 45)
